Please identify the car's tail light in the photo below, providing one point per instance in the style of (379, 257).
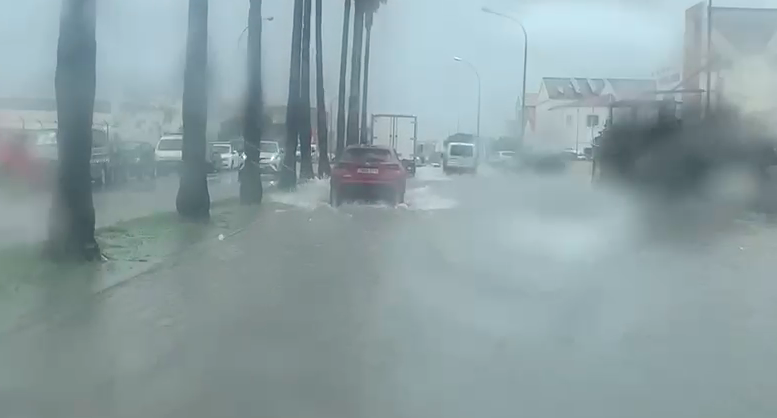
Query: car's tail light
(342, 168)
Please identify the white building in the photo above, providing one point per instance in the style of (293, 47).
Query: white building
(570, 112)
(26, 113)
(129, 120)
(741, 62)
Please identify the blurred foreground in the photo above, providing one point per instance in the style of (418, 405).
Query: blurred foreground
(489, 295)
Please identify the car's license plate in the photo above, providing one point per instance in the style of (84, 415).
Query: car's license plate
(367, 170)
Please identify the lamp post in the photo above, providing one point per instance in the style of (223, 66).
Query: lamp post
(525, 64)
(709, 59)
(477, 74)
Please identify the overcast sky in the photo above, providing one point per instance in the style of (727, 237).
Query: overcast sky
(141, 44)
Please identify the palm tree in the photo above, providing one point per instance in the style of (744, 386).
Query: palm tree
(71, 224)
(323, 130)
(251, 178)
(288, 179)
(352, 136)
(343, 73)
(372, 8)
(193, 200)
(306, 163)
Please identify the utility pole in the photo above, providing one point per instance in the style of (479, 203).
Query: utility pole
(522, 120)
(707, 107)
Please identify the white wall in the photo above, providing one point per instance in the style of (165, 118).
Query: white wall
(39, 119)
(550, 129)
(567, 127)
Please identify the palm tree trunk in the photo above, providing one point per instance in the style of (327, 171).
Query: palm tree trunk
(323, 130)
(288, 179)
(251, 177)
(306, 161)
(343, 74)
(71, 223)
(364, 137)
(193, 200)
(356, 69)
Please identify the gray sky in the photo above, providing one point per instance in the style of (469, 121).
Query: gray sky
(141, 44)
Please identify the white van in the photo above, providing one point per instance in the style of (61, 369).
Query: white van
(169, 153)
(460, 157)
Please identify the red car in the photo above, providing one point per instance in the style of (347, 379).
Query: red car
(368, 172)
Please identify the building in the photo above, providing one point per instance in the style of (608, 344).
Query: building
(570, 112)
(33, 113)
(128, 120)
(741, 58)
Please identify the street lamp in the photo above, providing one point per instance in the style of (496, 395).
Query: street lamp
(459, 59)
(525, 63)
(709, 59)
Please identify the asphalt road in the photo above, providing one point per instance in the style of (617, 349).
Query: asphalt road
(488, 296)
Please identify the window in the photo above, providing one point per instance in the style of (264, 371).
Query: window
(367, 154)
(569, 120)
(222, 149)
(592, 120)
(170, 145)
(47, 138)
(268, 146)
(99, 138)
(461, 150)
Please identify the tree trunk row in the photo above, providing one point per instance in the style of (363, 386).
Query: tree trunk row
(193, 200)
(288, 180)
(324, 169)
(72, 217)
(253, 119)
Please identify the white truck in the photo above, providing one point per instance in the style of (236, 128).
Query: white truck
(399, 132)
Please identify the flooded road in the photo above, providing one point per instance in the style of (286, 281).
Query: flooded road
(499, 295)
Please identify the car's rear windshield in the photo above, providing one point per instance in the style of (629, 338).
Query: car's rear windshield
(46, 138)
(170, 144)
(367, 154)
(268, 146)
(99, 138)
(222, 149)
(49, 137)
(462, 150)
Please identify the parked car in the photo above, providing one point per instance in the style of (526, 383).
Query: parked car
(16, 158)
(545, 161)
(103, 164)
(503, 159)
(230, 159)
(138, 159)
(368, 172)
(270, 158)
(169, 154)
(574, 155)
(213, 160)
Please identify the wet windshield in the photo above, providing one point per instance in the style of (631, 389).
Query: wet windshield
(388, 208)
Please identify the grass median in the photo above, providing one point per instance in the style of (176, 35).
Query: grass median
(29, 282)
